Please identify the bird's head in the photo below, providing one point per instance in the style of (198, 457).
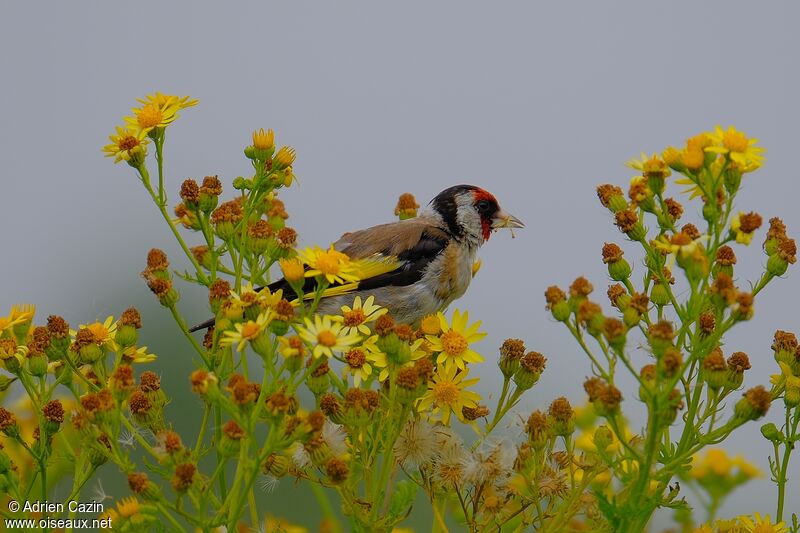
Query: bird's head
(472, 213)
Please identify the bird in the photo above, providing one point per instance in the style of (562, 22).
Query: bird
(431, 256)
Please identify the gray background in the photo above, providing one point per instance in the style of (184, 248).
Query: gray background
(536, 102)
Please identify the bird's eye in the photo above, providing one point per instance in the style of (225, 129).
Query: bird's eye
(483, 206)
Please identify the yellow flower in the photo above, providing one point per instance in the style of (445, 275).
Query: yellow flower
(780, 379)
(138, 355)
(650, 166)
(168, 100)
(17, 315)
(285, 157)
(746, 468)
(293, 269)
(246, 297)
(326, 335)
(744, 232)
(247, 331)
(334, 266)
(679, 244)
(355, 319)
(447, 395)
(357, 365)
(453, 343)
(103, 333)
(126, 144)
(158, 111)
(127, 507)
(739, 148)
(762, 524)
(264, 140)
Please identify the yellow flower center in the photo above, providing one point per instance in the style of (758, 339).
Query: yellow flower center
(99, 331)
(326, 338)
(128, 143)
(445, 393)
(430, 325)
(355, 358)
(735, 141)
(328, 263)
(250, 330)
(353, 318)
(149, 116)
(454, 343)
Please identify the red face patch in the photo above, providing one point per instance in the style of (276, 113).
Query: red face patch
(481, 195)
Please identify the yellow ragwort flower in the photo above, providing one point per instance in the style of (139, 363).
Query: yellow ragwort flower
(158, 111)
(128, 507)
(247, 331)
(293, 269)
(453, 343)
(263, 140)
(447, 395)
(355, 319)
(103, 332)
(334, 266)
(742, 235)
(762, 524)
(326, 336)
(738, 147)
(138, 355)
(17, 315)
(126, 144)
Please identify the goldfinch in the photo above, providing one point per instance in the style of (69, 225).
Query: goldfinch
(431, 256)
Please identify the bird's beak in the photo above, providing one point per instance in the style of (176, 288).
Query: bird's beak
(505, 220)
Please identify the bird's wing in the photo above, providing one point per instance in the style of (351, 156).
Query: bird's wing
(395, 254)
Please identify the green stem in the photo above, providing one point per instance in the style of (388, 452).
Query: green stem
(163, 210)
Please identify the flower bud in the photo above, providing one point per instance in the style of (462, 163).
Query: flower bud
(318, 384)
(539, 430)
(557, 304)
(336, 471)
(530, 369)
(738, 362)
(36, 364)
(772, 434)
(407, 206)
(776, 265)
(791, 396)
(618, 267)
(276, 465)
(714, 371)
(140, 484)
(612, 198)
(53, 413)
(8, 423)
(209, 194)
(563, 417)
(232, 435)
(603, 438)
(511, 352)
(659, 336)
(754, 404)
